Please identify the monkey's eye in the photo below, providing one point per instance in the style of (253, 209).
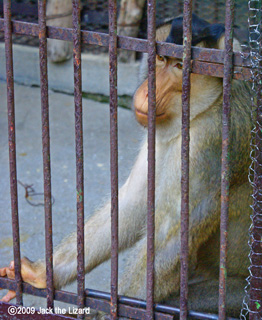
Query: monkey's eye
(160, 58)
(178, 65)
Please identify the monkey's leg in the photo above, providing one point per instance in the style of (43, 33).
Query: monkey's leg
(133, 283)
(167, 252)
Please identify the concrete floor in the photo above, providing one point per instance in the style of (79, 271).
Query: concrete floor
(29, 168)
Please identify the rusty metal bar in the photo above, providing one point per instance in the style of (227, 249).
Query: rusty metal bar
(228, 69)
(187, 35)
(215, 70)
(209, 59)
(113, 155)
(225, 159)
(79, 156)
(151, 36)
(12, 147)
(101, 301)
(46, 151)
(127, 43)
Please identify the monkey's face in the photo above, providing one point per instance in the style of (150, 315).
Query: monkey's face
(168, 92)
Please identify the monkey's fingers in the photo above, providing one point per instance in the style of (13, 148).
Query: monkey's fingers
(3, 272)
(10, 273)
(9, 296)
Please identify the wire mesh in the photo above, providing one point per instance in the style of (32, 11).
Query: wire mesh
(253, 290)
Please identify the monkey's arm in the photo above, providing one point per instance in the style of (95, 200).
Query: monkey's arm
(132, 213)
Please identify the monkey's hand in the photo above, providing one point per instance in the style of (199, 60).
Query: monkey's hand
(10, 273)
(32, 273)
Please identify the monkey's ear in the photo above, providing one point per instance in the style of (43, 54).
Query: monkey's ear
(210, 34)
(162, 31)
(176, 32)
(236, 44)
(204, 34)
(198, 25)
(213, 36)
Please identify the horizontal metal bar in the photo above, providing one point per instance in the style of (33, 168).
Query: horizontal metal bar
(217, 70)
(206, 68)
(101, 301)
(93, 302)
(128, 43)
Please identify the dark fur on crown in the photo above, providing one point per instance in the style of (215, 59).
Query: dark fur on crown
(201, 31)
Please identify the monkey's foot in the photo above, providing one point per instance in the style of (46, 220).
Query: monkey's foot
(9, 296)
(31, 273)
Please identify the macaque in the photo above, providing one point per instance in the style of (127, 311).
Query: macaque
(206, 98)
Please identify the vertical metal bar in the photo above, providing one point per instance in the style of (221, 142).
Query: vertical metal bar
(228, 72)
(12, 148)
(151, 36)
(187, 34)
(79, 155)
(46, 151)
(113, 154)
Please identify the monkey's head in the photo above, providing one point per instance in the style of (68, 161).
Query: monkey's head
(205, 90)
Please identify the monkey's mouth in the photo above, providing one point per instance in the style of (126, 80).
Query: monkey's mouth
(141, 114)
